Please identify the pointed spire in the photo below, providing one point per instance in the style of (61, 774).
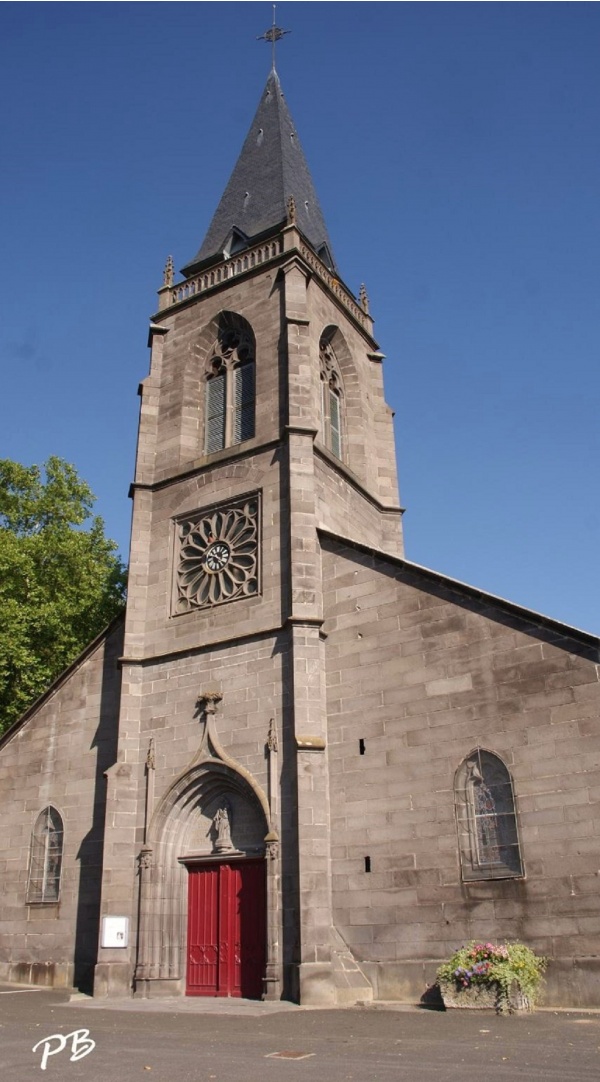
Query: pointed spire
(270, 170)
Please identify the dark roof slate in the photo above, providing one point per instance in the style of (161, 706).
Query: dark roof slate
(270, 168)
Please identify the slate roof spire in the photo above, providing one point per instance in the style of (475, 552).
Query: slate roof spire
(270, 169)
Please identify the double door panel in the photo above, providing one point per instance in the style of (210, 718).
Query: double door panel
(226, 929)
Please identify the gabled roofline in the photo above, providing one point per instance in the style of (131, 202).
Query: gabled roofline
(529, 617)
(62, 678)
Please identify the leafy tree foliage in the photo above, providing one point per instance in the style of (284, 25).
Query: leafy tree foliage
(61, 581)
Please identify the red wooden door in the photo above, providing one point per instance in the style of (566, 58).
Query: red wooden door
(226, 929)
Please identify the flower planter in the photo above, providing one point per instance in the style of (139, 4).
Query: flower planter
(504, 977)
(487, 996)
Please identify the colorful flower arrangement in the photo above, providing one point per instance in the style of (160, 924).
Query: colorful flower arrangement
(510, 967)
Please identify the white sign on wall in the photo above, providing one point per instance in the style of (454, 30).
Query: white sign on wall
(115, 932)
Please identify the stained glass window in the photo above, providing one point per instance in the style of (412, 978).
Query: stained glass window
(46, 857)
(331, 398)
(486, 819)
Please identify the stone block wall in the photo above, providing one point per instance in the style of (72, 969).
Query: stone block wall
(57, 755)
(368, 421)
(422, 672)
(173, 394)
(161, 704)
(152, 630)
(343, 508)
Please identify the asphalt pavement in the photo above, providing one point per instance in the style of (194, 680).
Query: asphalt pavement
(47, 1034)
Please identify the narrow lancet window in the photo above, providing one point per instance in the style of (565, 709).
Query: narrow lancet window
(486, 819)
(230, 387)
(331, 399)
(45, 860)
(243, 402)
(215, 410)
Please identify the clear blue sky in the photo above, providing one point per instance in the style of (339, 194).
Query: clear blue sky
(455, 150)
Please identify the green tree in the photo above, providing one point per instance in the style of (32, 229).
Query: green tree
(61, 580)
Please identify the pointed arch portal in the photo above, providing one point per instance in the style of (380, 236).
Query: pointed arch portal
(203, 891)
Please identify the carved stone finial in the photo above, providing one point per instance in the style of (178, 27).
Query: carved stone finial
(208, 701)
(150, 758)
(169, 272)
(291, 210)
(364, 299)
(272, 741)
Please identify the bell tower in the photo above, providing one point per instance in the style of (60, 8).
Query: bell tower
(263, 421)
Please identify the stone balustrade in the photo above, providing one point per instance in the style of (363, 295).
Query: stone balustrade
(256, 257)
(229, 268)
(335, 286)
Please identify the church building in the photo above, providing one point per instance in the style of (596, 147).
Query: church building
(300, 766)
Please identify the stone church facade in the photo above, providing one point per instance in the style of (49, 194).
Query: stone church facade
(302, 766)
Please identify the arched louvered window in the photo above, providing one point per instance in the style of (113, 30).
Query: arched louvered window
(331, 398)
(215, 410)
(230, 388)
(243, 402)
(485, 814)
(45, 860)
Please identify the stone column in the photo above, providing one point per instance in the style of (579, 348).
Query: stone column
(272, 978)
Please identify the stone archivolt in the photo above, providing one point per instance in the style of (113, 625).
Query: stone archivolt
(215, 808)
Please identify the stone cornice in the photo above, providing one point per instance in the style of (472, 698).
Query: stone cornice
(219, 458)
(226, 642)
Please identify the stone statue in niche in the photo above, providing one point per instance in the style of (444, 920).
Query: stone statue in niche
(222, 842)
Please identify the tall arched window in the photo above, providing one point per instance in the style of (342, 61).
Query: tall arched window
(230, 386)
(331, 398)
(485, 814)
(45, 860)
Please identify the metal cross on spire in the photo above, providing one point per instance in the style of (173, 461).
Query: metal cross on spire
(273, 34)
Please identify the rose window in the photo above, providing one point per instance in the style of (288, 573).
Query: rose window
(218, 557)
